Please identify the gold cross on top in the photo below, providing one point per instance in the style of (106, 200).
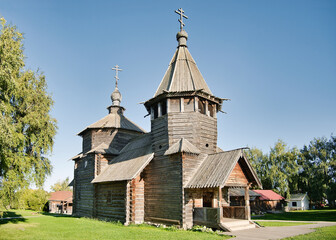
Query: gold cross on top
(117, 69)
(180, 12)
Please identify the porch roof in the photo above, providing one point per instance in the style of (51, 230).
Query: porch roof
(216, 169)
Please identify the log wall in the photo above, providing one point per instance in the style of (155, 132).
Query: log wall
(110, 201)
(197, 128)
(116, 138)
(190, 163)
(83, 188)
(163, 190)
(137, 200)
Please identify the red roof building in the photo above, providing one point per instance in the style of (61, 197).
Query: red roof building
(268, 201)
(268, 195)
(60, 202)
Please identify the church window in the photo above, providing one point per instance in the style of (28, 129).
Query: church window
(156, 112)
(211, 109)
(85, 163)
(164, 107)
(201, 106)
(188, 104)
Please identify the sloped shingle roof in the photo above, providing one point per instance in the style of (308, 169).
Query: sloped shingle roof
(216, 169)
(104, 149)
(183, 145)
(182, 75)
(133, 158)
(114, 120)
(268, 195)
(61, 196)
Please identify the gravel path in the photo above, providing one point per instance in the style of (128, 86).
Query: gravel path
(277, 232)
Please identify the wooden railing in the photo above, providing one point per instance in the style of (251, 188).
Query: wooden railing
(212, 216)
(237, 212)
(206, 216)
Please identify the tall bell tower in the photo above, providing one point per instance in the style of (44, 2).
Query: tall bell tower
(183, 105)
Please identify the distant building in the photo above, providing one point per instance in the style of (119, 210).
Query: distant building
(269, 201)
(299, 201)
(60, 202)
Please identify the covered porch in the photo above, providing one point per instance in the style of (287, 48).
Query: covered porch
(213, 206)
(209, 190)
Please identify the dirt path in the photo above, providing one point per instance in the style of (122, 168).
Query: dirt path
(278, 232)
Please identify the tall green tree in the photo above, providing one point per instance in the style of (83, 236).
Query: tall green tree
(61, 186)
(319, 166)
(277, 170)
(26, 127)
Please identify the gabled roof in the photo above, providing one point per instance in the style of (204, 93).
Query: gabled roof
(182, 146)
(182, 75)
(114, 120)
(61, 196)
(133, 158)
(269, 195)
(216, 169)
(297, 197)
(104, 149)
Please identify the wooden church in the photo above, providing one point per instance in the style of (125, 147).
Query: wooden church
(175, 174)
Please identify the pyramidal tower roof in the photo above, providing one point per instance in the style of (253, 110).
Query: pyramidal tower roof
(182, 74)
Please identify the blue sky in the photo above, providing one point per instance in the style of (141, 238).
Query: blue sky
(275, 60)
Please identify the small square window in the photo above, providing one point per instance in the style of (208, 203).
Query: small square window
(294, 204)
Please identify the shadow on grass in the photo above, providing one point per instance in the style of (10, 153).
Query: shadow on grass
(58, 215)
(11, 217)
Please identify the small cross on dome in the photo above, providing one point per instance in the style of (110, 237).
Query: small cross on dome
(117, 69)
(180, 12)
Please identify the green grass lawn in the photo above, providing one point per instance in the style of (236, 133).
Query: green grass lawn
(280, 224)
(308, 215)
(325, 233)
(67, 227)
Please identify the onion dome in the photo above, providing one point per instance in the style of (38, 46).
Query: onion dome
(116, 97)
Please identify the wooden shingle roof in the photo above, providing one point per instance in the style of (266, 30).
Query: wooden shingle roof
(182, 146)
(216, 169)
(103, 148)
(114, 120)
(182, 75)
(133, 158)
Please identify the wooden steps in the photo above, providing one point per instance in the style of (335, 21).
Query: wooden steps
(232, 225)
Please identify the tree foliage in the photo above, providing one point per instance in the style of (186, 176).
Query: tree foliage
(319, 165)
(61, 186)
(26, 127)
(277, 169)
(33, 199)
(311, 169)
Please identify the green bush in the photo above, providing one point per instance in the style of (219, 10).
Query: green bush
(33, 199)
